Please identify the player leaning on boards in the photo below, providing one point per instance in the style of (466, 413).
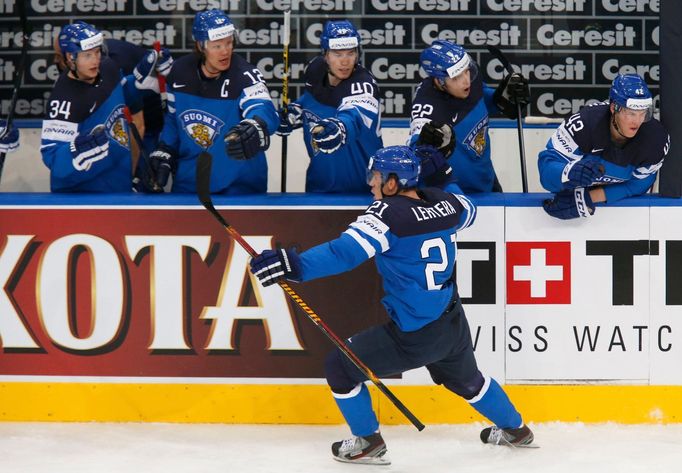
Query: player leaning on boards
(605, 152)
(85, 140)
(411, 232)
(345, 95)
(450, 111)
(217, 102)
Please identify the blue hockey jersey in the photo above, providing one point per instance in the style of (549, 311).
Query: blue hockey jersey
(76, 107)
(356, 102)
(200, 113)
(470, 160)
(415, 248)
(629, 170)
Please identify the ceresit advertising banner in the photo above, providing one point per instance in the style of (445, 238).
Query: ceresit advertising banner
(570, 50)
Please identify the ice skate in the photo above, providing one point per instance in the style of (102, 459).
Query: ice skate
(521, 437)
(368, 450)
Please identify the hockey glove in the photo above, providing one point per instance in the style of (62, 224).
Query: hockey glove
(9, 139)
(152, 62)
(435, 169)
(88, 149)
(163, 162)
(247, 138)
(570, 204)
(512, 90)
(164, 63)
(143, 183)
(329, 135)
(582, 172)
(272, 266)
(290, 121)
(438, 135)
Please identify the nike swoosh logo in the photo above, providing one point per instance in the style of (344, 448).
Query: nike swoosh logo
(454, 119)
(178, 86)
(92, 109)
(597, 150)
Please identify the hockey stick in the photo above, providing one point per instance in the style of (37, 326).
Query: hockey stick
(519, 120)
(140, 145)
(286, 33)
(161, 79)
(18, 74)
(203, 174)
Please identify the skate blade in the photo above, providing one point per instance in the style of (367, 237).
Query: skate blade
(505, 443)
(382, 460)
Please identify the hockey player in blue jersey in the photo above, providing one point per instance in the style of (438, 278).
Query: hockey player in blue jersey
(411, 233)
(450, 111)
(217, 102)
(345, 98)
(142, 63)
(85, 140)
(605, 152)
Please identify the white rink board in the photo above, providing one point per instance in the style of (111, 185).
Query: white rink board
(617, 352)
(666, 341)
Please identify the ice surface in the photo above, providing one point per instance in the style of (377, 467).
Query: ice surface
(166, 448)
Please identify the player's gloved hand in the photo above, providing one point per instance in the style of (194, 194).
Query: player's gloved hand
(441, 136)
(9, 138)
(88, 149)
(512, 90)
(329, 135)
(291, 120)
(569, 204)
(164, 62)
(163, 162)
(144, 183)
(582, 172)
(153, 61)
(435, 170)
(272, 266)
(247, 138)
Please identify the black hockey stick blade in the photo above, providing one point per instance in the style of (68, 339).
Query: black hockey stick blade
(203, 176)
(495, 51)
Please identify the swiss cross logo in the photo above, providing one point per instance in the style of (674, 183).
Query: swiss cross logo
(539, 272)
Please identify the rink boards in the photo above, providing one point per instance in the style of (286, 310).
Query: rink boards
(126, 308)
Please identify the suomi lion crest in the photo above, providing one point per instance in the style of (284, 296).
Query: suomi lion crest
(202, 127)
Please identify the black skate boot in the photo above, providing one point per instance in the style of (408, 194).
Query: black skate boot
(521, 437)
(368, 450)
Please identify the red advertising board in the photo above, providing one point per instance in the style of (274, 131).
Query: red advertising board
(164, 292)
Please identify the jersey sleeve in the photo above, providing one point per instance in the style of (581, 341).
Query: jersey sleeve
(565, 146)
(366, 236)
(55, 142)
(360, 111)
(255, 102)
(643, 176)
(468, 212)
(132, 95)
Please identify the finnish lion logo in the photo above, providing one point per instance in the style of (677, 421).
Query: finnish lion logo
(201, 127)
